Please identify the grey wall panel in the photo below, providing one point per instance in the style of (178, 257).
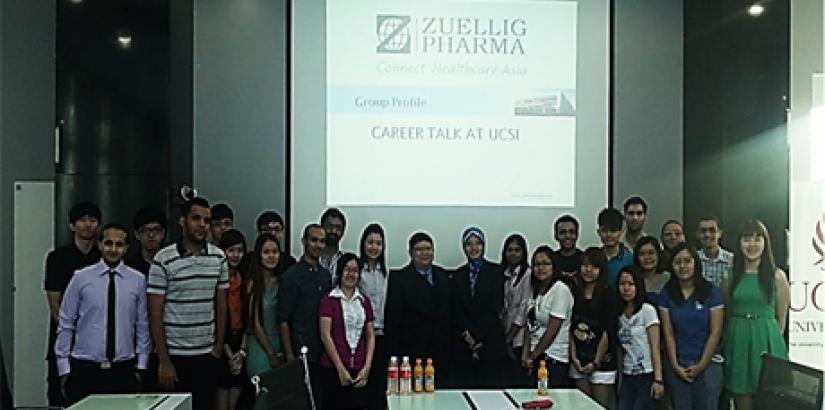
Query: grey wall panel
(240, 96)
(27, 85)
(647, 104)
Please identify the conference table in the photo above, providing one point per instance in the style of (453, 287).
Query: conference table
(563, 399)
(149, 401)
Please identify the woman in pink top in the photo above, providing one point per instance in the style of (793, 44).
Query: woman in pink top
(517, 295)
(348, 336)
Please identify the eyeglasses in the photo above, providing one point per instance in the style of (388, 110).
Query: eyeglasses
(543, 264)
(225, 223)
(270, 228)
(635, 213)
(423, 249)
(150, 231)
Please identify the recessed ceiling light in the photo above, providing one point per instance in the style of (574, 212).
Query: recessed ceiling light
(756, 10)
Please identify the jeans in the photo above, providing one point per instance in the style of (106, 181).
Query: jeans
(702, 394)
(634, 393)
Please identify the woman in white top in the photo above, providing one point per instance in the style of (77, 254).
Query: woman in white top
(548, 319)
(373, 284)
(517, 295)
(639, 337)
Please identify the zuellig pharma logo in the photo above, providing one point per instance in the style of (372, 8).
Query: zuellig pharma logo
(819, 241)
(393, 34)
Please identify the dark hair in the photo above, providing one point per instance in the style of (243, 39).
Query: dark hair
(255, 276)
(523, 263)
(536, 285)
(147, 215)
(711, 217)
(546, 250)
(222, 211)
(231, 238)
(342, 263)
(767, 265)
(310, 227)
(641, 290)
(420, 236)
(186, 208)
(701, 286)
(268, 217)
(81, 209)
(565, 218)
(333, 213)
(382, 259)
(662, 264)
(596, 257)
(611, 219)
(635, 200)
(114, 225)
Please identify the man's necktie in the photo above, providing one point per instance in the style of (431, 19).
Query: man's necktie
(110, 320)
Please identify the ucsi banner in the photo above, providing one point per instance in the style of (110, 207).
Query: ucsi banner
(807, 273)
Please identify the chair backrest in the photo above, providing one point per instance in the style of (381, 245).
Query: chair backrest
(788, 385)
(283, 388)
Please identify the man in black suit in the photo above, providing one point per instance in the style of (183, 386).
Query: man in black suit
(479, 347)
(418, 310)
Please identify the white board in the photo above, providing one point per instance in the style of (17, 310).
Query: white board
(33, 239)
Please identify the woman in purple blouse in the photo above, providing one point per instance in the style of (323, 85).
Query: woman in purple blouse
(349, 339)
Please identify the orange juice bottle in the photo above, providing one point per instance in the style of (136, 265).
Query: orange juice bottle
(429, 377)
(543, 380)
(418, 374)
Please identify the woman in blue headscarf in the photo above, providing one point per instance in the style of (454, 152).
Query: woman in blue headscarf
(479, 341)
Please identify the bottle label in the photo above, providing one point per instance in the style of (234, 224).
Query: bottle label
(429, 383)
(543, 386)
(419, 383)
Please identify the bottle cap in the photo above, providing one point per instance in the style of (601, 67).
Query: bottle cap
(429, 361)
(542, 363)
(393, 358)
(406, 358)
(417, 361)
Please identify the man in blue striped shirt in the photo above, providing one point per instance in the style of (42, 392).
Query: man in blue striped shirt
(187, 308)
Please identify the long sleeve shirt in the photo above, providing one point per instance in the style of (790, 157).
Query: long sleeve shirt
(81, 332)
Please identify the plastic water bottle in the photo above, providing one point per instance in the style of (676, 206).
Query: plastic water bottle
(392, 377)
(406, 377)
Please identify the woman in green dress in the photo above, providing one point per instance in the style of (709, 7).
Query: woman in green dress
(263, 278)
(758, 294)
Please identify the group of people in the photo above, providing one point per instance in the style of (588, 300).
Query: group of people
(635, 323)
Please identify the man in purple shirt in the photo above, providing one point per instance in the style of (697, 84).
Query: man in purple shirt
(103, 334)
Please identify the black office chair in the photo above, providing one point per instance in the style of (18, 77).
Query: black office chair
(788, 385)
(286, 387)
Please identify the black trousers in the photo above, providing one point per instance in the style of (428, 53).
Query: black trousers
(88, 378)
(54, 392)
(198, 375)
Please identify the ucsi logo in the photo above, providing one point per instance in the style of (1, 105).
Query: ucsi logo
(804, 294)
(818, 241)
